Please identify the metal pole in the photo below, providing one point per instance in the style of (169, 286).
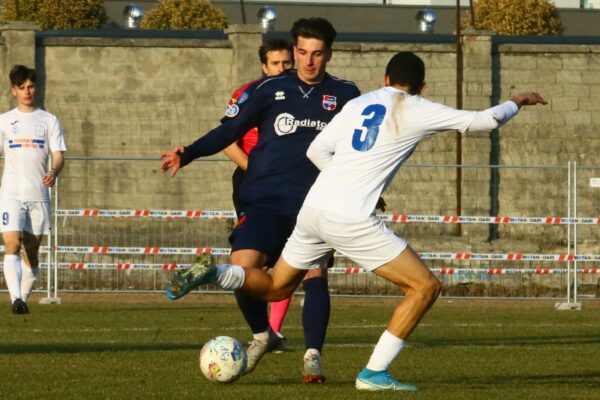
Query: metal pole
(472, 9)
(575, 231)
(459, 105)
(49, 265)
(243, 11)
(569, 235)
(55, 247)
(52, 298)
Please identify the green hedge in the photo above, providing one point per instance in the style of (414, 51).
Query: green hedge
(184, 14)
(56, 14)
(516, 17)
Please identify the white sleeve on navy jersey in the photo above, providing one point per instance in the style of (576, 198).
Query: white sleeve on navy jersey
(373, 136)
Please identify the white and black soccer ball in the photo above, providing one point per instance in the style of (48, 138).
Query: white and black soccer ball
(223, 359)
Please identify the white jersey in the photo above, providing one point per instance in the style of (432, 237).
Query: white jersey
(363, 147)
(26, 139)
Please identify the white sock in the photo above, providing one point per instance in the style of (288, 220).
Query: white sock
(386, 350)
(310, 352)
(230, 276)
(29, 276)
(12, 275)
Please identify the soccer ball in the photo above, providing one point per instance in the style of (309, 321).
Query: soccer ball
(223, 359)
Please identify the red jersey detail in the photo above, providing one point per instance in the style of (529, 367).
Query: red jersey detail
(250, 138)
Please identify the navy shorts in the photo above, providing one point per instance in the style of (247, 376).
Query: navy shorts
(262, 231)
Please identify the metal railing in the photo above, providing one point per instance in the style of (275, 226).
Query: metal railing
(125, 238)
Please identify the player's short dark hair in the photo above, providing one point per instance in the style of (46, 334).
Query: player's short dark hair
(315, 28)
(406, 69)
(20, 73)
(273, 45)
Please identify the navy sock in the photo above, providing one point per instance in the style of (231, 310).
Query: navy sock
(254, 311)
(315, 313)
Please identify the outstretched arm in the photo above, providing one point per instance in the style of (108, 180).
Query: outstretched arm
(497, 116)
(171, 160)
(528, 99)
(209, 144)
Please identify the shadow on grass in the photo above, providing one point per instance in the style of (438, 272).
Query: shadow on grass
(69, 348)
(513, 341)
(591, 378)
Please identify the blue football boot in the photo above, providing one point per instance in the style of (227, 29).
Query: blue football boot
(202, 271)
(380, 380)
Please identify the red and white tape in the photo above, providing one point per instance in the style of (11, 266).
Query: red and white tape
(226, 251)
(196, 214)
(142, 250)
(333, 270)
(397, 218)
(425, 256)
(487, 271)
(463, 219)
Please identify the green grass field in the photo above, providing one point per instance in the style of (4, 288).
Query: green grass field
(99, 346)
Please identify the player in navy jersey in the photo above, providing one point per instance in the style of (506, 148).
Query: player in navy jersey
(289, 110)
(275, 57)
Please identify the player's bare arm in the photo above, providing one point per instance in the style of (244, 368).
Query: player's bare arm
(58, 162)
(171, 160)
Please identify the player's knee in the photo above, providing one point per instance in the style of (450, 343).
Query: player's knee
(431, 289)
(428, 290)
(12, 247)
(280, 293)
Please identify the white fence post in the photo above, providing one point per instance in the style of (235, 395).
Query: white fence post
(571, 303)
(52, 262)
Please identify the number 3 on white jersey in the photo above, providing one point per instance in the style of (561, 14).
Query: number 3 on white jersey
(364, 137)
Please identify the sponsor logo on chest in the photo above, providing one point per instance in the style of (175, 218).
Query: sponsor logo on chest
(286, 123)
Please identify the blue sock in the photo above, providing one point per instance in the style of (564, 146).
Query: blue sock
(315, 313)
(254, 311)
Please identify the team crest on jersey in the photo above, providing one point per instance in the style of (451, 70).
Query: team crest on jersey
(232, 110)
(329, 102)
(40, 131)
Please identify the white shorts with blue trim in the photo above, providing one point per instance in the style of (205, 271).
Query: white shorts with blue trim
(25, 216)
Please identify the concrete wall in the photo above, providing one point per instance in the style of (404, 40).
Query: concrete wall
(136, 97)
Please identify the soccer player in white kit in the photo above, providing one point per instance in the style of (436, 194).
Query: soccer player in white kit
(359, 153)
(27, 135)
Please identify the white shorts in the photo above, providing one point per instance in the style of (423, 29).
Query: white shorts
(25, 216)
(367, 242)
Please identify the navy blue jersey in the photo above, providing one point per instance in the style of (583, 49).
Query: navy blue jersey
(289, 114)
